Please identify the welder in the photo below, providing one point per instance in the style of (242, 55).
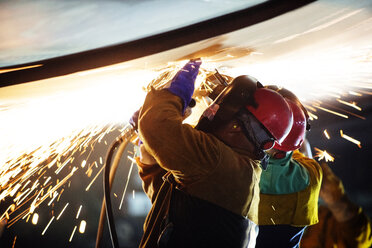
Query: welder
(203, 181)
(289, 187)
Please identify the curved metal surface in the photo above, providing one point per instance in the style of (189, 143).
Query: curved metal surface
(149, 45)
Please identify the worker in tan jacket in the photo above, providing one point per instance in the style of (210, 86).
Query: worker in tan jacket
(203, 181)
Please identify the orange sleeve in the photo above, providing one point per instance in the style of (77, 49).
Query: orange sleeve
(329, 233)
(177, 147)
(152, 178)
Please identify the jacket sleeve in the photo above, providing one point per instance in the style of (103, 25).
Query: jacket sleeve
(152, 178)
(355, 232)
(177, 147)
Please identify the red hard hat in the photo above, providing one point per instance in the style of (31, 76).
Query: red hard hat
(273, 112)
(296, 136)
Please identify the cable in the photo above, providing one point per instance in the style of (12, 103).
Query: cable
(108, 178)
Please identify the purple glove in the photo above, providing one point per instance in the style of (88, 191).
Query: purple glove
(134, 122)
(134, 119)
(182, 84)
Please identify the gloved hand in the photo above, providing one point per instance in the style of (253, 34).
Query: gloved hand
(182, 84)
(134, 119)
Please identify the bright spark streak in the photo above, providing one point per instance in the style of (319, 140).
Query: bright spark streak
(19, 68)
(60, 195)
(72, 234)
(354, 93)
(35, 218)
(323, 155)
(332, 112)
(78, 212)
(55, 194)
(326, 134)
(47, 180)
(272, 220)
(128, 178)
(14, 241)
(82, 226)
(90, 184)
(45, 229)
(357, 142)
(353, 104)
(60, 214)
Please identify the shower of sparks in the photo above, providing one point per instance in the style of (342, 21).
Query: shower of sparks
(82, 226)
(326, 134)
(72, 234)
(78, 212)
(45, 229)
(40, 139)
(357, 142)
(323, 155)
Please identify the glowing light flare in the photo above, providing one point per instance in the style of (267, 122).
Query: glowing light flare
(83, 163)
(320, 154)
(82, 226)
(355, 93)
(357, 142)
(35, 218)
(315, 72)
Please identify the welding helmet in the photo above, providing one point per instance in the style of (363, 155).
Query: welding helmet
(264, 114)
(296, 136)
(287, 94)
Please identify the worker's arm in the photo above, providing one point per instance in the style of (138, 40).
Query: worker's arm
(150, 173)
(175, 146)
(354, 225)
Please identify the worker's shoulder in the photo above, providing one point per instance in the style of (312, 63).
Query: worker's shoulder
(310, 164)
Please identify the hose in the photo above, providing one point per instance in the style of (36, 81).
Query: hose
(108, 179)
